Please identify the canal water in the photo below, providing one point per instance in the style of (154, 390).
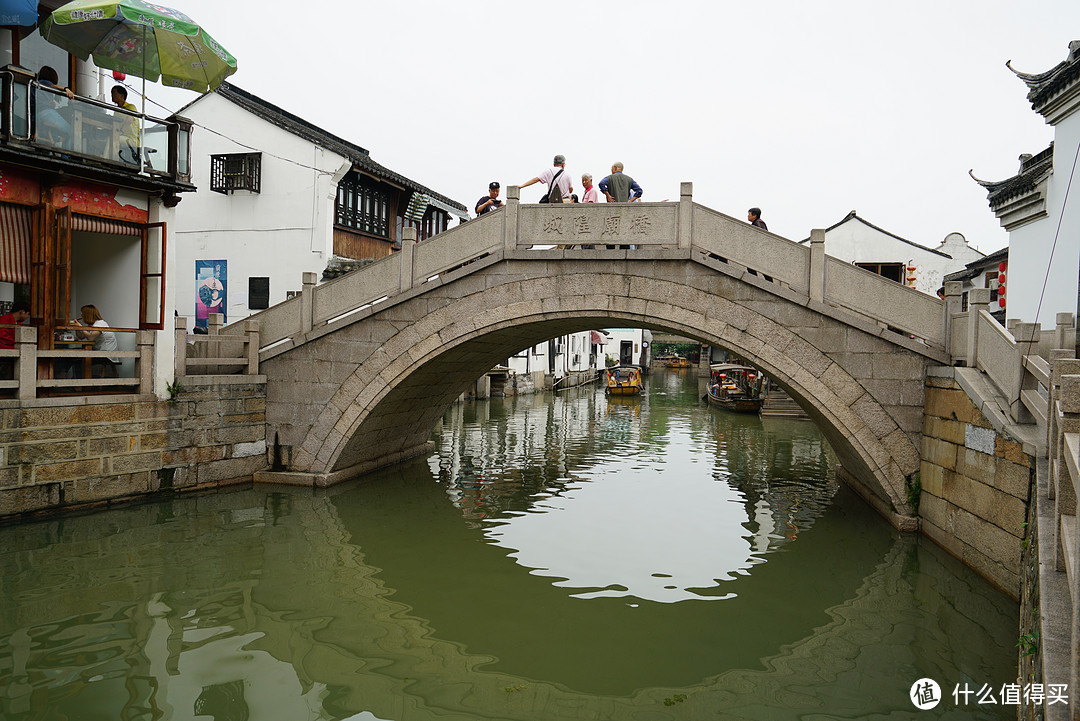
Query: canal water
(574, 557)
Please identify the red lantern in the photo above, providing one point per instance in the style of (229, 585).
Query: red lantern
(119, 76)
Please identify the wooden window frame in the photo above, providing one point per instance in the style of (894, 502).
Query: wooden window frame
(145, 275)
(361, 205)
(230, 172)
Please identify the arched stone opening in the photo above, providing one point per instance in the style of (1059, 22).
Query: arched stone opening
(387, 406)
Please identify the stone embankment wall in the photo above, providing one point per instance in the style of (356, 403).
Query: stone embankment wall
(86, 451)
(976, 480)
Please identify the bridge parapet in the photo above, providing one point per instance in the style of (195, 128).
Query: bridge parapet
(646, 231)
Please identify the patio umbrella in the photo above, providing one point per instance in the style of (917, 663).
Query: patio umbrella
(142, 39)
(18, 12)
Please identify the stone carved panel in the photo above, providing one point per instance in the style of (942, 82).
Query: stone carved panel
(599, 223)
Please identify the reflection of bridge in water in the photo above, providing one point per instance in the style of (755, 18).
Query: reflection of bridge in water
(360, 369)
(227, 624)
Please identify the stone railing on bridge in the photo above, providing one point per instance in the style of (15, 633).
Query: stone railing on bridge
(645, 231)
(225, 358)
(1037, 375)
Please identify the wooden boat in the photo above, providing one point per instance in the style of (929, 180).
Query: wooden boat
(735, 387)
(623, 380)
(677, 362)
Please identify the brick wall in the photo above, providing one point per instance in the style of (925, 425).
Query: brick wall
(85, 451)
(976, 485)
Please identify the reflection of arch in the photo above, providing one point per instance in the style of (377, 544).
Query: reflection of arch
(406, 373)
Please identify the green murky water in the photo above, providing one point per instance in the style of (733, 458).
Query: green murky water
(575, 558)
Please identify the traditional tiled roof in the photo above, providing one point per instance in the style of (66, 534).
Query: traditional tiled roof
(1032, 172)
(853, 216)
(301, 128)
(977, 266)
(1044, 86)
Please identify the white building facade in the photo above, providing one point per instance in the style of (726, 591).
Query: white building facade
(1044, 230)
(864, 244)
(279, 197)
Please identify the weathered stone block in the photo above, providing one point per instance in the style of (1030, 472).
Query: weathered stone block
(110, 446)
(136, 462)
(29, 498)
(63, 471)
(245, 450)
(1012, 478)
(975, 465)
(936, 511)
(244, 418)
(979, 439)
(230, 468)
(943, 429)
(153, 441)
(931, 476)
(939, 452)
(100, 489)
(903, 452)
(875, 417)
(44, 452)
(1011, 451)
(239, 434)
(988, 503)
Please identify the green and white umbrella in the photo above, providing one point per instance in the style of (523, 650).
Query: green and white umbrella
(142, 39)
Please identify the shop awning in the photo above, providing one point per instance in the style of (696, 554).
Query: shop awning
(101, 225)
(15, 228)
(597, 338)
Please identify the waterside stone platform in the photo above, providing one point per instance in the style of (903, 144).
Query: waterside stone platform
(86, 452)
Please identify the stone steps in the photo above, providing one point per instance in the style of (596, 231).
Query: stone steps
(779, 404)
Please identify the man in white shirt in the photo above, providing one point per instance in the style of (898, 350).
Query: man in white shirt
(557, 173)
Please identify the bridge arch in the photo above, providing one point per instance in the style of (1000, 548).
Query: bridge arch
(380, 385)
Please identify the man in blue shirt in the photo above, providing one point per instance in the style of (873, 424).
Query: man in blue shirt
(620, 187)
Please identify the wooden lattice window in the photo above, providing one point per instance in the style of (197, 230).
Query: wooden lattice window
(362, 206)
(235, 171)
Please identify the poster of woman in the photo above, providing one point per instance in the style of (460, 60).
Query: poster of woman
(211, 284)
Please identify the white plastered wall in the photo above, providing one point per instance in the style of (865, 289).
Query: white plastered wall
(1042, 275)
(279, 233)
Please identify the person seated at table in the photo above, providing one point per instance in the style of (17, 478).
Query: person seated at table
(103, 340)
(52, 126)
(20, 311)
(130, 143)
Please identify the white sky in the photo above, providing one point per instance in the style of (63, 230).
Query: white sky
(808, 110)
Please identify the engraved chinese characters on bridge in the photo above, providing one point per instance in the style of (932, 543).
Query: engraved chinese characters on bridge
(582, 227)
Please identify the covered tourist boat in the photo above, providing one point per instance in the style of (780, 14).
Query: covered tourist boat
(735, 387)
(623, 380)
(677, 362)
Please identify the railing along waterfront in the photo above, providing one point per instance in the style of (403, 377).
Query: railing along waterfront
(33, 370)
(680, 230)
(38, 116)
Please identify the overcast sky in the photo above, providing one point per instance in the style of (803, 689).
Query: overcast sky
(808, 110)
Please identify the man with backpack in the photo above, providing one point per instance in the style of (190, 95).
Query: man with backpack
(556, 180)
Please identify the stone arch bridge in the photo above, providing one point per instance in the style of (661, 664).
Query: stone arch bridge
(360, 369)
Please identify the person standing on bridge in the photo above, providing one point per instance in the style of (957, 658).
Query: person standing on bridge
(561, 180)
(620, 187)
(592, 194)
(490, 201)
(754, 216)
